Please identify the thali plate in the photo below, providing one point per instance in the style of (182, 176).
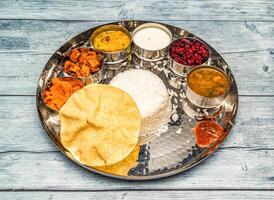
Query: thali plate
(173, 150)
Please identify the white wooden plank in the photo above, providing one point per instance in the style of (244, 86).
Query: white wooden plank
(21, 130)
(226, 169)
(118, 9)
(145, 195)
(47, 36)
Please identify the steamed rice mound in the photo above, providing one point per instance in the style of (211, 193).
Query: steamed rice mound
(150, 95)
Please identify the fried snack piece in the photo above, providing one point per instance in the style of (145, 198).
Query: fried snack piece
(59, 91)
(122, 168)
(100, 125)
(82, 62)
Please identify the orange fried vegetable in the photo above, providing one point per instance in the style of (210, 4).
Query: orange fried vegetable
(56, 95)
(82, 62)
(74, 55)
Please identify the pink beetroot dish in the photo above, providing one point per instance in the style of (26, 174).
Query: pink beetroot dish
(188, 51)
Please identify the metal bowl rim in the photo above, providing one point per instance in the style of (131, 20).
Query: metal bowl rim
(158, 25)
(188, 66)
(215, 68)
(109, 26)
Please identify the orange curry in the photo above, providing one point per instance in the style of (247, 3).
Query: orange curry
(208, 82)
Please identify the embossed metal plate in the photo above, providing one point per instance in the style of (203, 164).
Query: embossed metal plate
(174, 149)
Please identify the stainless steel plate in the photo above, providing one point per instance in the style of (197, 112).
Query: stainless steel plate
(173, 150)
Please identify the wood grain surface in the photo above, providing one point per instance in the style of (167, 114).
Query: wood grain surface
(146, 195)
(32, 168)
(98, 10)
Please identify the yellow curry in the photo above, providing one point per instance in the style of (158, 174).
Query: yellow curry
(111, 41)
(208, 82)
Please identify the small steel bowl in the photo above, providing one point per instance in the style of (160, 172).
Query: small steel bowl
(117, 56)
(48, 85)
(150, 55)
(206, 102)
(93, 78)
(181, 69)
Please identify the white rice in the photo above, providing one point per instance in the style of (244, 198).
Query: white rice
(150, 95)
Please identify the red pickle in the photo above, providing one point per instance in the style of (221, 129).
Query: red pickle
(190, 52)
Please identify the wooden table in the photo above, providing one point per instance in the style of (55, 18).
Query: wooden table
(32, 168)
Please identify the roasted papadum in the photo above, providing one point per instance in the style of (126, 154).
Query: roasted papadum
(100, 125)
(123, 167)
